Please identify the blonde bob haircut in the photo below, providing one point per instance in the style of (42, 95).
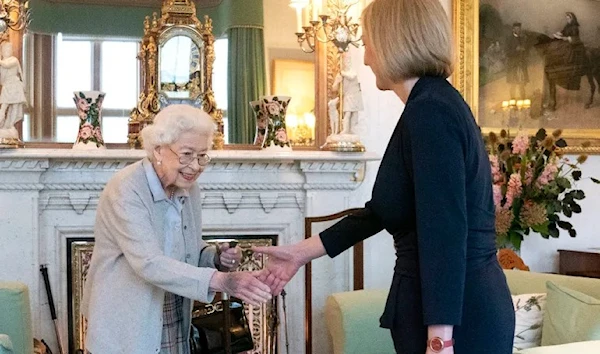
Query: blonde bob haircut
(409, 38)
(171, 122)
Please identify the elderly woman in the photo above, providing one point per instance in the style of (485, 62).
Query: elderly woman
(149, 259)
(433, 194)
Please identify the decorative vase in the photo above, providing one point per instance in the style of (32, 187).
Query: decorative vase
(270, 113)
(262, 123)
(89, 109)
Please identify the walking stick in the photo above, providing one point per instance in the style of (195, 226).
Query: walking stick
(44, 271)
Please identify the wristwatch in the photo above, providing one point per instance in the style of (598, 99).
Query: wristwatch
(437, 344)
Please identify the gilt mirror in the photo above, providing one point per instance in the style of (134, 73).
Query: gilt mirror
(176, 61)
(180, 66)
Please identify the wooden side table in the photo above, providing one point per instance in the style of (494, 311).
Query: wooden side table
(582, 263)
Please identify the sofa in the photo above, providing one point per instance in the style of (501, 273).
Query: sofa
(15, 319)
(352, 317)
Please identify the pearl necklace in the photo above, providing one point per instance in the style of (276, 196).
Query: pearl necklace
(172, 194)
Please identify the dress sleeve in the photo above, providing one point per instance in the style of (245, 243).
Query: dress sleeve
(435, 147)
(351, 230)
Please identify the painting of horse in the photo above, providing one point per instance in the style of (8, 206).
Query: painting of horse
(545, 53)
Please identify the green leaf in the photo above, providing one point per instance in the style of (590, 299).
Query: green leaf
(566, 209)
(515, 239)
(572, 233)
(542, 228)
(552, 230)
(578, 194)
(595, 180)
(576, 208)
(564, 225)
(541, 134)
(563, 182)
(561, 143)
(576, 175)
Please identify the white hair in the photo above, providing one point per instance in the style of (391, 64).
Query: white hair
(171, 122)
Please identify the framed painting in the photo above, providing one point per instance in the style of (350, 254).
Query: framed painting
(79, 257)
(525, 65)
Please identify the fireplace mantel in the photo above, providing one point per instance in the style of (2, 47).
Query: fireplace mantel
(48, 196)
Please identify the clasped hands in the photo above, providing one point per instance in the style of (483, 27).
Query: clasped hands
(260, 286)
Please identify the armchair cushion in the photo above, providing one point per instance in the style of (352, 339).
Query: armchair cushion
(353, 321)
(570, 316)
(6, 346)
(590, 347)
(15, 316)
(529, 313)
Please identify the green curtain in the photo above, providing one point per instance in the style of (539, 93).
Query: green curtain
(246, 80)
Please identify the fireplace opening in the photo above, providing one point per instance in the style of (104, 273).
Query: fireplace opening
(262, 320)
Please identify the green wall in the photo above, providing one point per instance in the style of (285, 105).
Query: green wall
(127, 21)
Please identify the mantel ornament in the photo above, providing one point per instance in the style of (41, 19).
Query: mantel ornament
(164, 81)
(14, 16)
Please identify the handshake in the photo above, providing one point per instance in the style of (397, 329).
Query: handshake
(260, 286)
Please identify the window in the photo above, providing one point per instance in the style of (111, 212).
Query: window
(109, 66)
(220, 80)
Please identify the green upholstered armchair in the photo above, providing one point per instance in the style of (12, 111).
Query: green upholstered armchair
(15, 319)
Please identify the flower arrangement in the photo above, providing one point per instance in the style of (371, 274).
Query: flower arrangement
(533, 185)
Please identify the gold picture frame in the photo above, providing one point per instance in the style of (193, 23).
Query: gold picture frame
(80, 257)
(467, 77)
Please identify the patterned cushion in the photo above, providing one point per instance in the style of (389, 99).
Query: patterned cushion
(529, 313)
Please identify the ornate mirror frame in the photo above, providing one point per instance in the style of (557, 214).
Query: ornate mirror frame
(177, 17)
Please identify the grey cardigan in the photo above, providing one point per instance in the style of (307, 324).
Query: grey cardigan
(129, 272)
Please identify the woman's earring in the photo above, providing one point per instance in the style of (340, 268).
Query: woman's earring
(159, 162)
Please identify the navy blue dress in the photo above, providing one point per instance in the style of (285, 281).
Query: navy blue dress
(433, 193)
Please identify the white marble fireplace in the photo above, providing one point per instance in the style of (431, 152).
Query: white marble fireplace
(48, 197)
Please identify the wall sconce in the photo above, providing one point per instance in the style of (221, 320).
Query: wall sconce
(337, 29)
(14, 15)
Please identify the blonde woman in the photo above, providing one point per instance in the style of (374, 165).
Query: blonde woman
(433, 193)
(149, 259)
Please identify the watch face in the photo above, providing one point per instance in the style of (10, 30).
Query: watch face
(436, 344)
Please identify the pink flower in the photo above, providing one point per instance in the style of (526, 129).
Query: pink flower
(98, 133)
(82, 114)
(497, 189)
(273, 108)
(514, 189)
(82, 104)
(261, 122)
(281, 135)
(496, 175)
(528, 176)
(85, 132)
(520, 144)
(548, 175)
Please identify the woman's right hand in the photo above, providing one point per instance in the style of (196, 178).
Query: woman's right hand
(243, 285)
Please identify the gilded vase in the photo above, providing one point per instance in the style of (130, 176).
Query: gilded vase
(89, 111)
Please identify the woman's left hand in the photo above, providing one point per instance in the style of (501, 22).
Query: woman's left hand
(229, 258)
